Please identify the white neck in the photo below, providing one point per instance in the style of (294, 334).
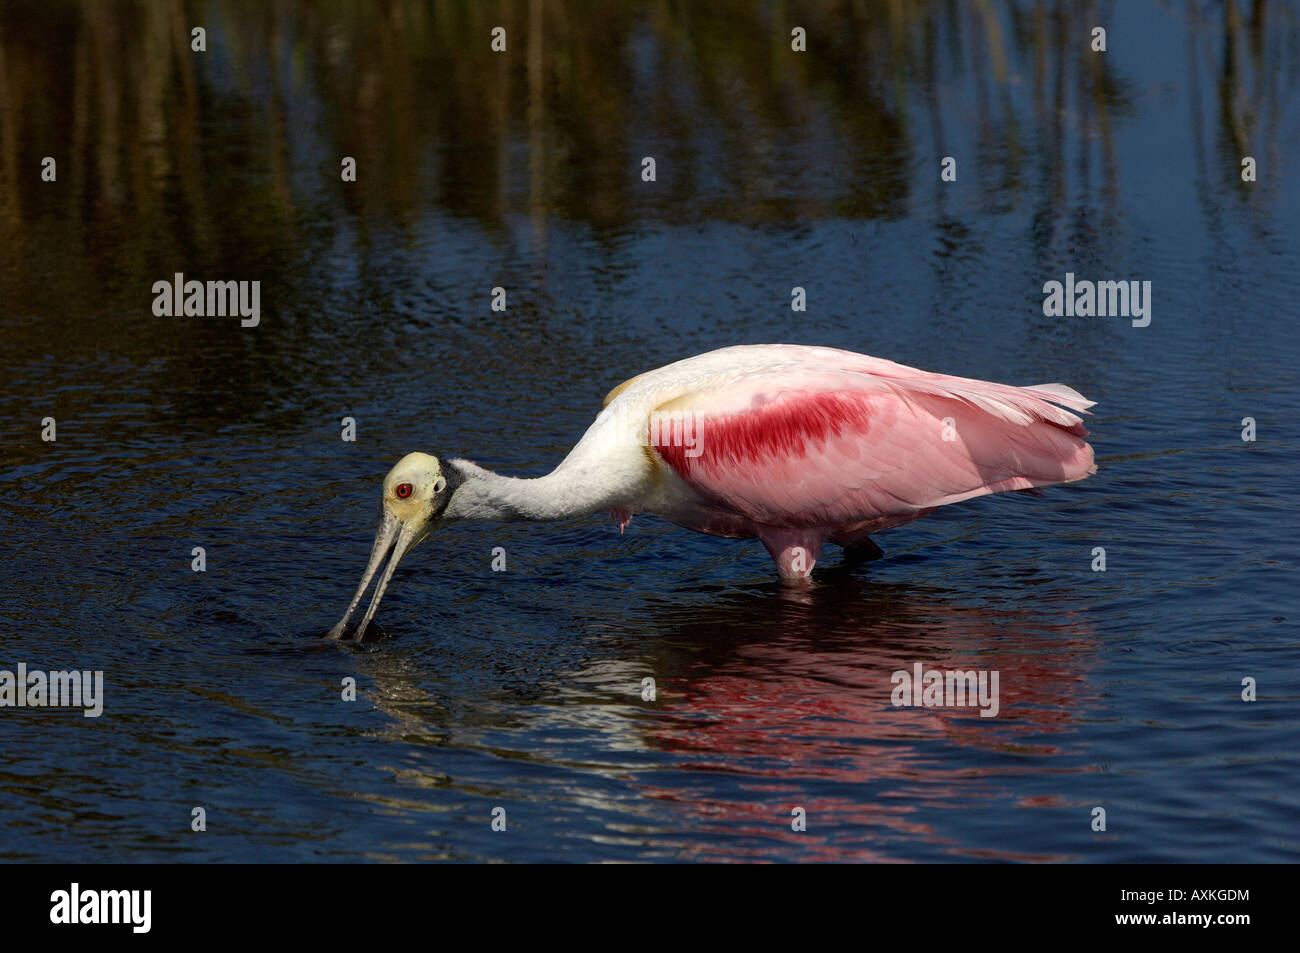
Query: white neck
(565, 492)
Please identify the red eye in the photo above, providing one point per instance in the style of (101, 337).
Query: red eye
(403, 490)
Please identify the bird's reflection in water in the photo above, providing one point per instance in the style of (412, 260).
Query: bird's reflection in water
(773, 697)
(791, 689)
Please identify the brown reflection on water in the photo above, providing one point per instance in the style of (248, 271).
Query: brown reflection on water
(220, 156)
(226, 164)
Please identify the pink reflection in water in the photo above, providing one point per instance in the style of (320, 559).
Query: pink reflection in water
(794, 699)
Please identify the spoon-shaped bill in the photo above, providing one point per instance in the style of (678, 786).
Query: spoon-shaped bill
(405, 540)
(389, 531)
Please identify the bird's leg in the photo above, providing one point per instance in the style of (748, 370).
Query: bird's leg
(859, 548)
(861, 551)
(794, 551)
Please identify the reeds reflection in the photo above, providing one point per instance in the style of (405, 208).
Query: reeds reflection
(235, 152)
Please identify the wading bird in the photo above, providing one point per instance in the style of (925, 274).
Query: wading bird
(797, 446)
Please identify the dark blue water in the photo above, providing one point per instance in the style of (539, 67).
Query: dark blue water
(522, 689)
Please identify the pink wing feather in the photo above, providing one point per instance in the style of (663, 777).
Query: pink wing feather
(841, 440)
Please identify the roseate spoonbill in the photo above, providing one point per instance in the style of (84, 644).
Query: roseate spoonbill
(795, 445)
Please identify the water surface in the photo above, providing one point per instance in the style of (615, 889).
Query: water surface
(522, 689)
